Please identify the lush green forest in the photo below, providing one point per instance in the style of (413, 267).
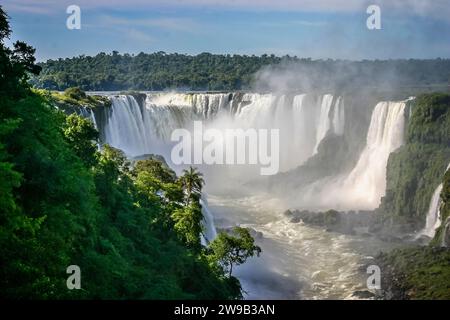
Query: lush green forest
(160, 70)
(133, 229)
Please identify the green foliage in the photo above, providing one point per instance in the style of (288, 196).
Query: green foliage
(417, 273)
(430, 121)
(192, 182)
(156, 168)
(206, 71)
(443, 235)
(233, 249)
(188, 224)
(417, 168)
(81, 135)
(74, 97)
(62, 202)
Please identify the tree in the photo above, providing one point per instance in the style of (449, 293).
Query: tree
(192, 182)
(188, 224)
(233, 249)
(81, 135)
(15, 64)
(155, 167)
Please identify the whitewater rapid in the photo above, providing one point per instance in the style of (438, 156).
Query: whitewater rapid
(298, 261)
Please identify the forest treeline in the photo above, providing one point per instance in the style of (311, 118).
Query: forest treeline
(206, 71)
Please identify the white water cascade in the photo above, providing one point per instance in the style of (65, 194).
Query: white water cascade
(303, 120)
(210, 231)
(339, 117)
(128, 126)
(433, 219)
(323, 120)
(365, 185)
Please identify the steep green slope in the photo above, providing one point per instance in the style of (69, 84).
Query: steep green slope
(133, 232)
(417, 168)
(416, 273)
(414, 172)
(442, 236)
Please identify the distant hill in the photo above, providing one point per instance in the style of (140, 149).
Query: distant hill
(160, 71)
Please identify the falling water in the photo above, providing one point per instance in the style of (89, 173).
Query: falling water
(433, 219)
(323, 121)
(338, 117)
(366, 183)
(302, 123)
(364, 186)
(210, 231)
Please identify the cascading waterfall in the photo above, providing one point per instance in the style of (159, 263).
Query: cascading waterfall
(364, 186)
(210, 231)
(127, 127)
(366, 183)
(338, 117)
(323, 121)
(433, 220)
(303, 123)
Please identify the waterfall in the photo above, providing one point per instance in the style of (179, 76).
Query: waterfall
(433, 218)
(445, 231)
(323, 120)
(338, 117)
(366, 183)
(303, 137)
(364, 186)
(303, 120)
(210, 231)
(92, 118)
(127, 126)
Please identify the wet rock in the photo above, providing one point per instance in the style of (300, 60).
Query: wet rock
(288, 213)
(363, 294)
(295, 220)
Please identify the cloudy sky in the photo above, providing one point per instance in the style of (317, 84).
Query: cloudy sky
(306, 28)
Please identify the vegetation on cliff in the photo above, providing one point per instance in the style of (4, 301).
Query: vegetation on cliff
(417, 168)
(416, 273)
(134, 231)
(442, 236)
(76, 98)
(414, 172)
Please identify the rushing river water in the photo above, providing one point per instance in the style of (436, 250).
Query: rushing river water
(297, 261)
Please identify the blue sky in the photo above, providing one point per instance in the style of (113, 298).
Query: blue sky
(307, 28)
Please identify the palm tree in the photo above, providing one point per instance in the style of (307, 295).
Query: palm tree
(192, 182)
